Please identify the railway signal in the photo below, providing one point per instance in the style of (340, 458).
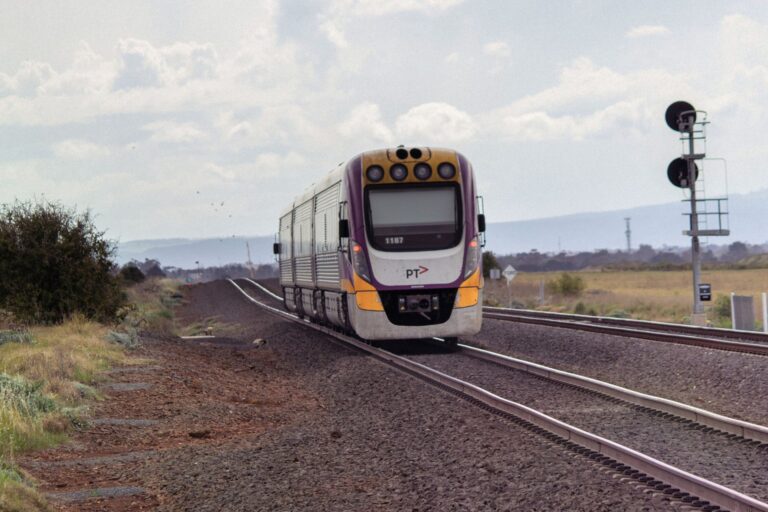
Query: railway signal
(683, 172)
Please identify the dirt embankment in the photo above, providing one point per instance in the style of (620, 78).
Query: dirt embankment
(300, 423)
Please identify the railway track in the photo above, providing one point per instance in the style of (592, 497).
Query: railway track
(655, 475)
(719, 339)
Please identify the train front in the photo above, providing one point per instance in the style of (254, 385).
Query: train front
(414, 245)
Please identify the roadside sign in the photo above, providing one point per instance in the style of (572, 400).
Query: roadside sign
(495, 273)
(705, 291)
(509, 273)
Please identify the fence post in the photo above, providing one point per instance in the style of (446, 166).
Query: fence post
(765, 312)
(733, 312)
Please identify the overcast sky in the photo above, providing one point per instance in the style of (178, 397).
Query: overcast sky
(153, 114)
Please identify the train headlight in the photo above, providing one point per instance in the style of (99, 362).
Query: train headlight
(398, 172)
(473, 258)
(374, 173)
(422, 171)
(446, 170)
(359, 263)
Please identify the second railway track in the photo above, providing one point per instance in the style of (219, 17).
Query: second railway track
(719, 339)
(679, 485)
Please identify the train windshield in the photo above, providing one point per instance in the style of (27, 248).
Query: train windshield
(408, 218)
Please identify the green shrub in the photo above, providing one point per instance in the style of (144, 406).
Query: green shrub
(722, 307)
(489, 262)
(128, 339)
(566, 284)
(132, 274)
(54, 263)
(26, 397)
(16, 337)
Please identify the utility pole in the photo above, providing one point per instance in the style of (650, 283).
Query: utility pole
(250, 263)
(628, 232)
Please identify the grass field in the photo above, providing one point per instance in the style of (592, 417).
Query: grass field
(647, 295)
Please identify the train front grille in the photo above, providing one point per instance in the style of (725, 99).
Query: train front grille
(419, 307)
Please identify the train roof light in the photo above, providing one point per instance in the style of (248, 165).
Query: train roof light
(415, 153)
(398, 172)
(401, 153)
(446, 170)
(422, 171)
(375, 173)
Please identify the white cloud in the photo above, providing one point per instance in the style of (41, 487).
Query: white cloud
(342, 12)
(287, 124)
(589, 100)
(538, 126)
(452, 58)
(646, 31)
(28, 80)
(365, 122)
(79, 150)
(580, 80)
(435, 123)
(144, 65)
(170, 131)
(498, 49)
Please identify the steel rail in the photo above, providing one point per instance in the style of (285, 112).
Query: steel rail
(264, 289)
(656, 331)
(679, 338)
(716, 421)
(712, 332)
(588, 444)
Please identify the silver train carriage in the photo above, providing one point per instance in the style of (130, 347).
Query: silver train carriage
(387, 245)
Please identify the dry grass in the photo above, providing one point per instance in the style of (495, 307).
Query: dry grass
(649, 295)
(212, 325)
(63, 357)
(152, 304)
(16, 496)
(47, 373)
(42, 383)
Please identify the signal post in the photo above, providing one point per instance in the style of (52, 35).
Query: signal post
(684, 173)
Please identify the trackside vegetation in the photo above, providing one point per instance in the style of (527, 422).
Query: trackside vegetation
(45, 377)
(645, 295)
(66, 315)
(54, 263)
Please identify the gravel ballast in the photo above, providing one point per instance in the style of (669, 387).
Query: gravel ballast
(729, 462)
(727, 383)
(376, 439)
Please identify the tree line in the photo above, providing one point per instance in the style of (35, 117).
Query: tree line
(735, 255)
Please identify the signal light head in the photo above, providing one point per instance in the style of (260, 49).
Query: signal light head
(446, 170)
(422, 171)
(374, 173)
(398, 172)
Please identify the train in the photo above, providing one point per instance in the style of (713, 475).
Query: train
(387, 245)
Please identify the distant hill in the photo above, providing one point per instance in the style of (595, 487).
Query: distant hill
(210, 252)
(656, 225)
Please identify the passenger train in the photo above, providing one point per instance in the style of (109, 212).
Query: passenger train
(388, 246)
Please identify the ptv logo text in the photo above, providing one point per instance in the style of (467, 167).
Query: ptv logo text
(415, 272)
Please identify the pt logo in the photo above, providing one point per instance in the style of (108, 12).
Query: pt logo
(415, 272)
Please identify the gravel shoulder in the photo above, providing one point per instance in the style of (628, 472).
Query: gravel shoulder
(727, 383)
